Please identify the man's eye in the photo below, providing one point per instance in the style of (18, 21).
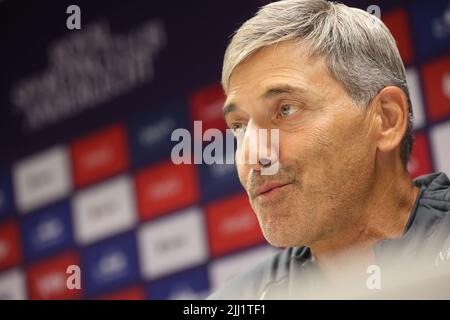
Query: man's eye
(237, 127)
(286, 110)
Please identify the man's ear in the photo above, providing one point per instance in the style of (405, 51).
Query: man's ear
(391, 109)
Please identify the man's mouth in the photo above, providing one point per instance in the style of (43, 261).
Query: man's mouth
(270, 188)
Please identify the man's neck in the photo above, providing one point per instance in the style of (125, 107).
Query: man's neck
(383, 216)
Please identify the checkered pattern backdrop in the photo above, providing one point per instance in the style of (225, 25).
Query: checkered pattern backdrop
(111, 201)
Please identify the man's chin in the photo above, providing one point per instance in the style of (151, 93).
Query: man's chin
(279, 243)
(289, 230)
(280, 240)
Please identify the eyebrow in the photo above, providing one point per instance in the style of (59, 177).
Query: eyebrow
(281, 89)
(229, 107)
(270, 93)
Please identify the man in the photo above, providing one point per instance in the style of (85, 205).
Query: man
(330, 79)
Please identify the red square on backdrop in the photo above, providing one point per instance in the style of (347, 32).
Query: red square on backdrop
(232, 224)
(48, 279)
(207, 105)
(397, 22)
(133, 293)
(166, 187)
(10, 249)
(419, 162)
(436, 81)
(99, 155)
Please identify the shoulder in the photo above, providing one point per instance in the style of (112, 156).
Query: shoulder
(433, 207)
(429, 229)
(252, 284)
(436, 190)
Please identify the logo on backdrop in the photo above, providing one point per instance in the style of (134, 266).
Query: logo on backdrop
(87, 68)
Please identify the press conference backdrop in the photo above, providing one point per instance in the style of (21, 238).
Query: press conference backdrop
(85, 143)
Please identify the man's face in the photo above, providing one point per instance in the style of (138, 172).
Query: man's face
(326, 149)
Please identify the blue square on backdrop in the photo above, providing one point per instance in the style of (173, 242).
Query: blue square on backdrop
(6, 196)
(47, 231)
(219, 179)
(150, 133)
(110, 265)
(193, 284)
(431, 27)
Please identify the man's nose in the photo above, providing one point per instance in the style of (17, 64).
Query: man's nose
(260, 147)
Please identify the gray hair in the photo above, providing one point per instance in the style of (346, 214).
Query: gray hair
(360, 51)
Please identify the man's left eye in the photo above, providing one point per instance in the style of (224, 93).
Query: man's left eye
(286, 110)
